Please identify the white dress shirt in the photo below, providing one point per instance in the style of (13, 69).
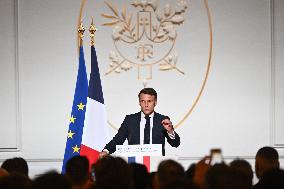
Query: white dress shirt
(142, 126)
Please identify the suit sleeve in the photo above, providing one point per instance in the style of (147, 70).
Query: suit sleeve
(119, 138)
(173, 142)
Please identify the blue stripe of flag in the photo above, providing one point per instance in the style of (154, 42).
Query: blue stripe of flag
(131, 159)
(95, 86)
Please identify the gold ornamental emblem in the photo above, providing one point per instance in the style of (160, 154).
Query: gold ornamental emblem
(144, 38)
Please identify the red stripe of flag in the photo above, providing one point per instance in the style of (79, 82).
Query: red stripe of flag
(146, 162)
(91, 154)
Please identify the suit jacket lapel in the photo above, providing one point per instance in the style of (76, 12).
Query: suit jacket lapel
(137, 126)
(155, 124)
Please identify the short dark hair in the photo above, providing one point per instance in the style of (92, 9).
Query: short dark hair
(266, 158)
(243, 167)
(51, 179)
(268, 153)
(168, 171)
(16, 164)
(112, 172)
(149, 91)
(77, 169)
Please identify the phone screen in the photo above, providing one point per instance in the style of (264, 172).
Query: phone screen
(216, 156)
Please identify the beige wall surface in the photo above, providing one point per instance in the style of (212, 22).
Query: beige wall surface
(239, 109)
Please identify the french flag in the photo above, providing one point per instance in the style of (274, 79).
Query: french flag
(95, 132)
(142, 160)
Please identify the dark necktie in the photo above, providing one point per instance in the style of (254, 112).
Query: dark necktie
(147, 130)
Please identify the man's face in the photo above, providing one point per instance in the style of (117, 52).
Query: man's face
(147, 103)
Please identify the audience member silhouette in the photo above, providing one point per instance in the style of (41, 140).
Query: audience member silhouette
(168, 171)
(112, 173)
(272, 179)
(16, 164)
(77, 170)
(221, 176)
(15, 181)
(266, 159)
(51, 180)
(243, 167)
(189, 173)
(141, 177)
(153, 179)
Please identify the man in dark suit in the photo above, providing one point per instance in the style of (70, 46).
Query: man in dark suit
(144, 127)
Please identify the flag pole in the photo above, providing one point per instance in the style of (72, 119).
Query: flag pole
(81, 31)
(92, 30)
(83, 2)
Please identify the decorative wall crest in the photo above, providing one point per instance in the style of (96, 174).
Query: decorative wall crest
(144, 38)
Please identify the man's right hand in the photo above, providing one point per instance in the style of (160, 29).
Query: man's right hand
(103, 154)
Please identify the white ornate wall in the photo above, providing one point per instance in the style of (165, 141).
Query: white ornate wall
(239, 110)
